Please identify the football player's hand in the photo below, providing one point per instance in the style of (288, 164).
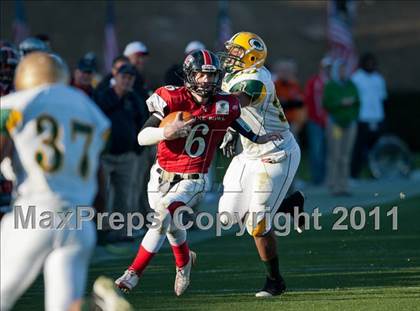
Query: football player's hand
(229, 143)
(269, 137)
(178, 128)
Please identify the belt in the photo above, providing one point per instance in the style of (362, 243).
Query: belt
(173, 177)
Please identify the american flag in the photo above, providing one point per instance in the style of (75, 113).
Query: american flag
(224, 30)
(111, 43)
(341, 14)
(20, 28)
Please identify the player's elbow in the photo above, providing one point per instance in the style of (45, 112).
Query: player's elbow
(141, 138)
(150, 136)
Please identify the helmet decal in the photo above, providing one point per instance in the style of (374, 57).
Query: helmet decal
(256, 44)
(189, 59)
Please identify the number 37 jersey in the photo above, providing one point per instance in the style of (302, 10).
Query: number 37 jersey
(193, 154)
(58, 134)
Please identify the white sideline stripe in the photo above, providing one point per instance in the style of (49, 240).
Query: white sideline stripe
(241, 291)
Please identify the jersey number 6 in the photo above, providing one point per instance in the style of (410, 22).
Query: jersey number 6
(192, 139)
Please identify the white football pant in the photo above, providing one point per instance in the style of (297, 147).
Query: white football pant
(257, 188)
(63, 254)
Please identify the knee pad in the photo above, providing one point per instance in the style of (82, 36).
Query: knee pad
(258, 224)
(163, 217)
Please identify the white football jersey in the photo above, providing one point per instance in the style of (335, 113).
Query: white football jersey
(58, 134)
(264, 115)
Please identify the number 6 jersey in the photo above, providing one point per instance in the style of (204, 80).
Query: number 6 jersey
(58, 134)
(193, 154)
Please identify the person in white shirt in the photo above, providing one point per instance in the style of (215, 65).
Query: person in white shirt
(372, 91)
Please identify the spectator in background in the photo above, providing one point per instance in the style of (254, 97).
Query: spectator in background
(372, 92)
(109, 80)
(97, 77)
(317, 118)
(341, 101)
(9, 59)
(174, 75)
(137, 53)
(290, 94)
(124, 108)
(83, 75)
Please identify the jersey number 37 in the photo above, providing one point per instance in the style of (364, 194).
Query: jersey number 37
(50, 155)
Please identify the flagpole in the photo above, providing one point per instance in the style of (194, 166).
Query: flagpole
(20, 28)
(341, 15)
(111, 42)
(224, 30)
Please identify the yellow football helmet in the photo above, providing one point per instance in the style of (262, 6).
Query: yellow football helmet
(40, 68)
(244, 50)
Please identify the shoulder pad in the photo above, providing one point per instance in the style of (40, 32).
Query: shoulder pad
(250, 71)
(253, 88)
(171, 87)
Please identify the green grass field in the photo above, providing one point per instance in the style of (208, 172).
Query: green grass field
(324, 270)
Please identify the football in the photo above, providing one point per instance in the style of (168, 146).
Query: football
(186, 116)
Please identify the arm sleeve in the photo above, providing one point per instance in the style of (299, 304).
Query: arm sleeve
(9, 120)
(151, 133)
(242, 128)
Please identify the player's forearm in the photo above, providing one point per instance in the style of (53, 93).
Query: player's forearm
(150, 136)
(244, 99)
(151, 133)
(242, 128)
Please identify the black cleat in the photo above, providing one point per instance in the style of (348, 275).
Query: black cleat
(287, 206)
(272, 288)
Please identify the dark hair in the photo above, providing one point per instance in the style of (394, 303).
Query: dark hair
(366, 58)
(43, 37)
(120, 58)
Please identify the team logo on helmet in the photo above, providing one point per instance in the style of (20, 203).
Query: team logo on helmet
(189, 59)
(256, 44)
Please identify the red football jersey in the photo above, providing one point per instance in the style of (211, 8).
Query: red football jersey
(193, 154)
